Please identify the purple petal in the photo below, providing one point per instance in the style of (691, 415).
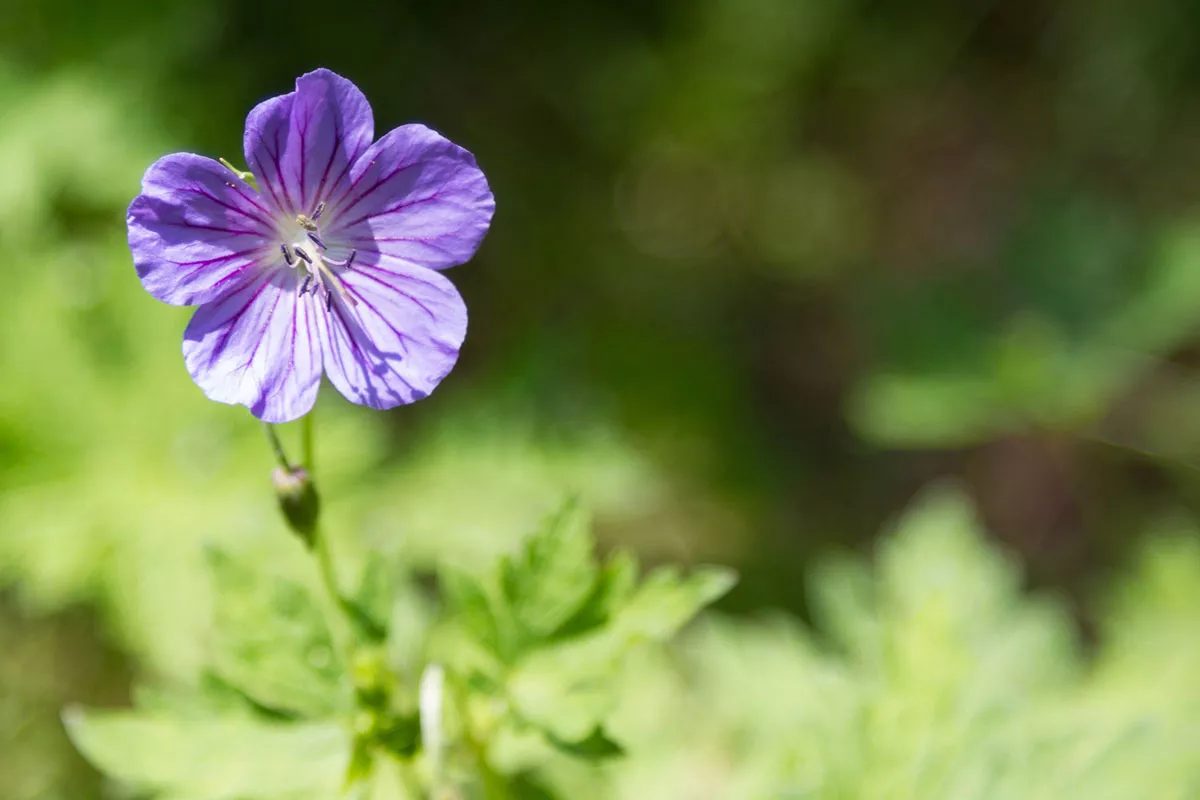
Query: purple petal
(258, 347)
(264, 145)
(302, 144)
(196, 230)
(399, 341)
(417, 197)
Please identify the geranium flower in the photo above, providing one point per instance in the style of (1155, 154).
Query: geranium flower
(331, 265)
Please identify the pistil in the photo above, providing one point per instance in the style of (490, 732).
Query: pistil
(319, 265)
(321, 269)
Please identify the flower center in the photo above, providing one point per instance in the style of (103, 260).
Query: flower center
(308, 251)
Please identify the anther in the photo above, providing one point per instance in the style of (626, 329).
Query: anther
(320, 208)
(303, 255)
(312, 237)
(304, 222)
(305, 285)
(287, 254)
(328, 300)
(343, 264)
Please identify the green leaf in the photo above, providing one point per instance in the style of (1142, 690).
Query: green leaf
(567, 688)
(527, 787)
(842, 595)
(667, 601)
(271, 641)
(218, 758)
(467, 638)
(408, 629)
(387, 782)
(553, 575)
(597, 746)
(401, 734)
(614, 585)
(946, 682)
(361, 762)
(370, 607)
(469, 606)
(211, 694)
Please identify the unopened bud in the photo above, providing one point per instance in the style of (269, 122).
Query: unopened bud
(298, 501)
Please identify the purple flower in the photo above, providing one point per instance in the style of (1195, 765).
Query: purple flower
(332, 266)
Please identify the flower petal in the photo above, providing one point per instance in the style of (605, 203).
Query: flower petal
(264, 146)
(399, 341)
(196, 230)
(303, 143)
(258, 347)
(415, 196)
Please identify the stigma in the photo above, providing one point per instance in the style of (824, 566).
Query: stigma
(310, 223)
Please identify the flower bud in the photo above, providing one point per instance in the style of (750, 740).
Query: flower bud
(298, 501)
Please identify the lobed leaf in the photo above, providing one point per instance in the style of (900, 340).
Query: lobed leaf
(552, 576)
(271, 641)
(218, 758)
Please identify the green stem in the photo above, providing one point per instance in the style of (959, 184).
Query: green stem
(306, 524)
(324, 557)
(306, 442)
(328, 573)
(339, 624)
(277, 446)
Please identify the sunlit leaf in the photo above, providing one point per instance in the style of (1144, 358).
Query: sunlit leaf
(271, 640)
(552, 575)
(221, 758)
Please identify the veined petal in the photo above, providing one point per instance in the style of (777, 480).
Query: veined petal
(196, 231)
(400, 339)
(415, 196)
(258, 347)
(332, 125)
(303, 143)
(264, 145)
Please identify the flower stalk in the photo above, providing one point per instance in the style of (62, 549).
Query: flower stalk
(300, 504)
(297, 495)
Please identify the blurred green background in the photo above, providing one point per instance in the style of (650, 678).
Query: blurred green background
(761, 270)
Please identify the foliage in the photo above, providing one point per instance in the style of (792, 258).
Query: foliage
(292, 705)
(930, 675)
